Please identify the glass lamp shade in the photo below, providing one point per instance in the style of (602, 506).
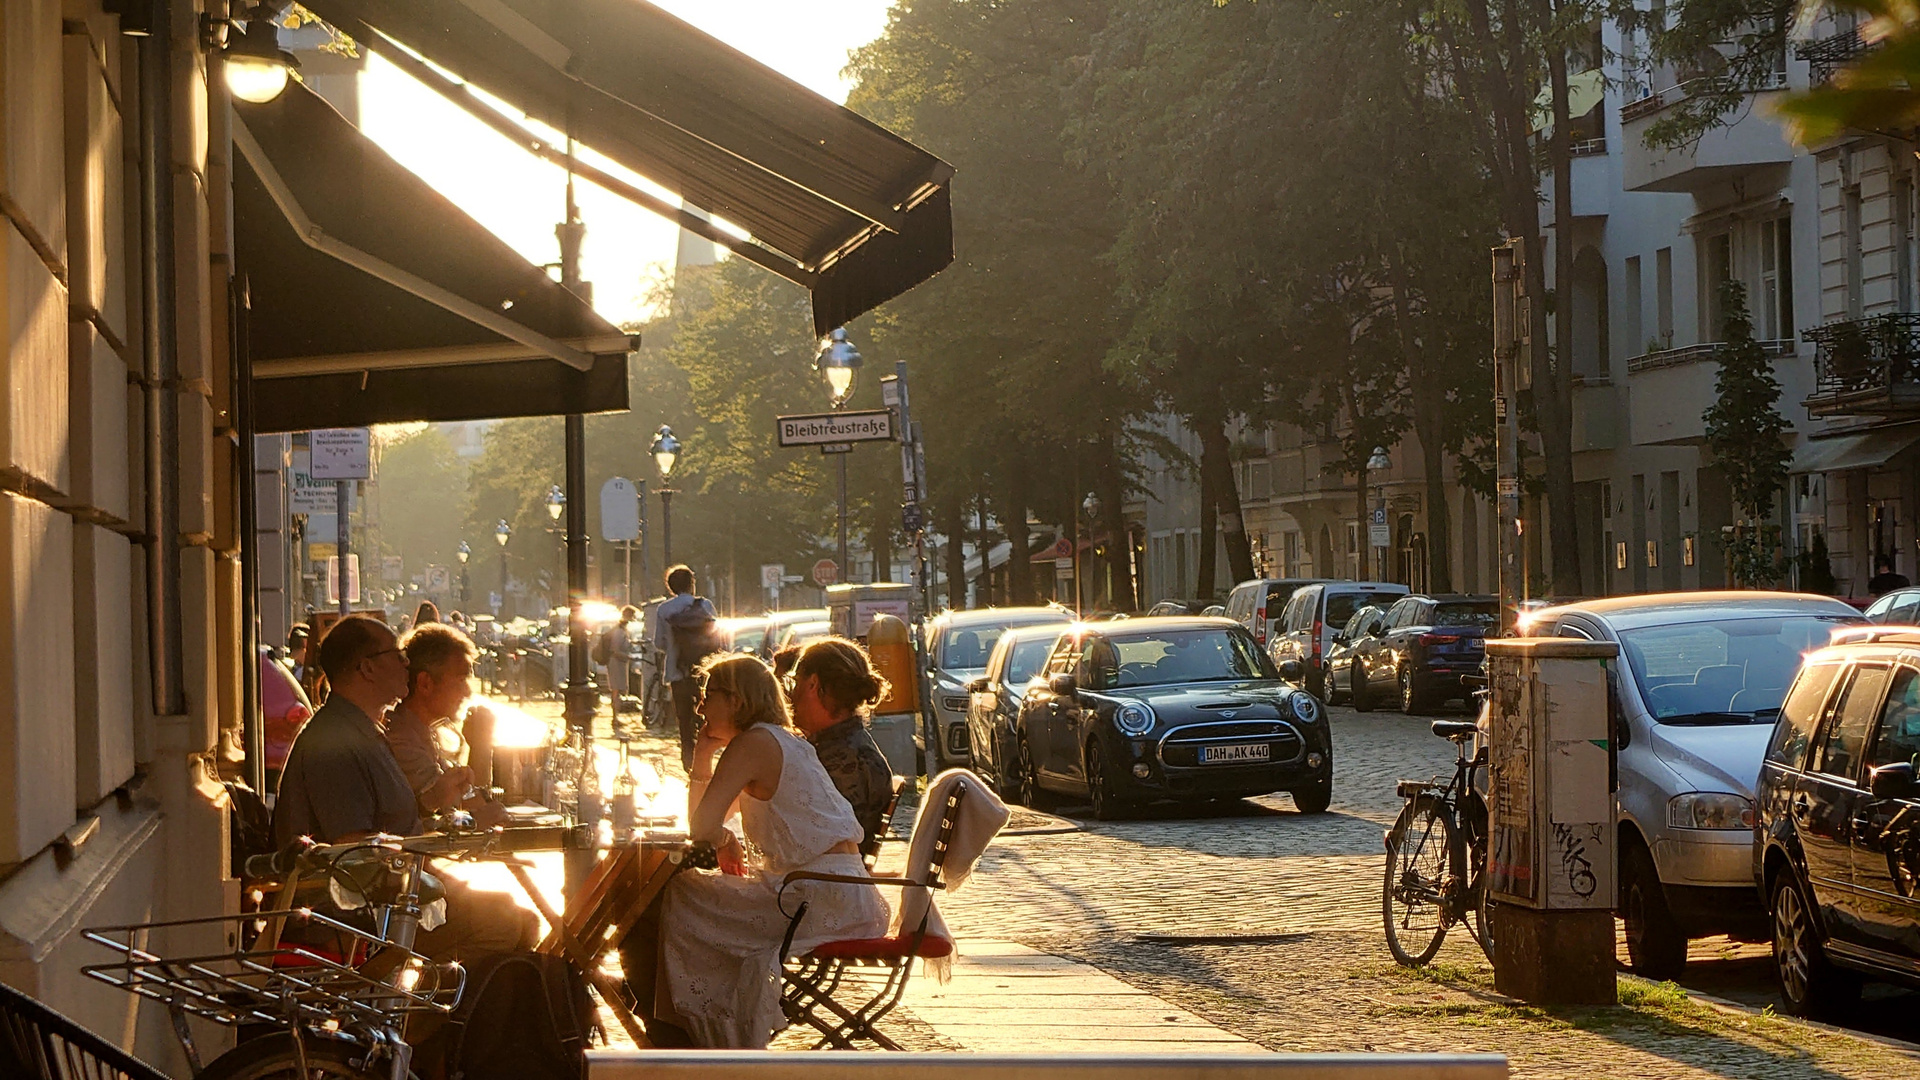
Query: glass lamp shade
(556, 502)
(665, 450)
(257, 79)
(501, 532)
(838, 361)
(464, 551)
(1379, 460)
(839, 383)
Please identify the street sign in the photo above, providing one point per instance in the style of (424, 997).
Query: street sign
(836, 448)
(813, 429)
(771, 575)
(439, 579)
(307, 495)
(911, 520)
(340, 453)
(1063, 549)
(322, 549)
(391, 567)
(825, 573)
(353, 579)
(619, 510)
(1379, 536)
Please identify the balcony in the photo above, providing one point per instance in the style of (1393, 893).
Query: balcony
(1752, 140)
(1866, 367)
(1830, 54)
(1668, 390)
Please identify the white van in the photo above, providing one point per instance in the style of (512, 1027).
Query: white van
(1256, 604)
(1315, 614)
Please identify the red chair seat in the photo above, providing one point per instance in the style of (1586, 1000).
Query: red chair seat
(884, 948)
(298, 956)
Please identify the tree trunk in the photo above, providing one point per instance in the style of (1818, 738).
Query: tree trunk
(1428, 403)
(953, 525)
(1113, 519)
(1216, 454)
(1555, 400)
(1204, 561)
(1013, 515)
(985, 544)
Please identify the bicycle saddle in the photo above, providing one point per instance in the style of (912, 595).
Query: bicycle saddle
(1455, 729)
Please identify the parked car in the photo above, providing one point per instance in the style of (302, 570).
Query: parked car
(993, 702)
(1257, 604)
(745, 634)
(1701, 678)
(1314, 614)
(777, 623)
(284, 710)
(1179, 607)
(1901, 606)
(1169, 708)
(1426, 653)
(959, 644)
(1838, 858)
(1364, 624)
(799, 633)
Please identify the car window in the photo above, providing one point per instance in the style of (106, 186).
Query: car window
(1397, 614)
(1300, 610)
(1898, 739)
(1025, 660)
(1846, 733)
(1465, 613)
(1800, 714)
(1356, 626)
(1178, 656)
(1342, 605)
(1065, 651)
(1099, 668)
(1722, 671)
(1905, 610)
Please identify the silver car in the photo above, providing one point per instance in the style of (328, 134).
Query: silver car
(959, 644)
(1695, 698)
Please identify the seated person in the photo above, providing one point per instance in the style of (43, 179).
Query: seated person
(719, 943)
(342, 784)
(834, 690)
(439, 680)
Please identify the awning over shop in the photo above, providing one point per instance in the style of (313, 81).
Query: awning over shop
(832, 201)
(374, 299)
(1866, 450)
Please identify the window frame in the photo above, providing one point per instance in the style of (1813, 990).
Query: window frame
(1835, 716)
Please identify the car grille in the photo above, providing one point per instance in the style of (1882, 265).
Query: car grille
(1180, 748)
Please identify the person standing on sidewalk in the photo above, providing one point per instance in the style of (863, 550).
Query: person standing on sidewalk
(834, 690)
(620, 654)
(686, 623)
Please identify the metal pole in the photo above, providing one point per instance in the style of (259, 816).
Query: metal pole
(341, 507)
(502, 613)
(1509, 300)
(666, 526)
(846, 572)
(580, 698)
(166, 632)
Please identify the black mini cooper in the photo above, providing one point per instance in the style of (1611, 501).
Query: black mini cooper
(1129, 712)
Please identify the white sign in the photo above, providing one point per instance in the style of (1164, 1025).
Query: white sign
(340, 454)
(391, 568)
(1379, 535)
(771, 574)
(439, 579)
(353, 579)
(836, 427)
(619, 510)
(307, 495)
(864, 610)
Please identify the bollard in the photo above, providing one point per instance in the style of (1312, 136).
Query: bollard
(890, 644)
(1550, 860)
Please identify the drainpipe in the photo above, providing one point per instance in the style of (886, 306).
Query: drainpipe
(165, 638)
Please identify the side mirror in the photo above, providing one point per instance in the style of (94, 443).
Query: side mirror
(978, 686)
(1062, 685)
(1894, 781)
(1292, 670)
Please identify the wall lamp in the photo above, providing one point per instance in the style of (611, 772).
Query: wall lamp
(257, 68)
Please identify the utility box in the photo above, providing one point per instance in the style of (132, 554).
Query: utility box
(890, 644)
(1551, 845)
(851, 608)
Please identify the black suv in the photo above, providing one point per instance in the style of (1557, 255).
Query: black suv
(1837, 856)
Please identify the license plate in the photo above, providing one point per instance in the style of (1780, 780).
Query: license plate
(1219, 755)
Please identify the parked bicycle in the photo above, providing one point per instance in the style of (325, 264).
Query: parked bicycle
(1437, 856)
(312, 995)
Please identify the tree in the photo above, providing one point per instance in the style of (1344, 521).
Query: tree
(1878, 91)
(1744, 430)
(423, 496)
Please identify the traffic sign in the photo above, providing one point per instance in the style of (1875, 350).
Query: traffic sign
(340, 453)
(911, 520)
(813, 429)
(619, 510)
(770, 575)
(825, 573)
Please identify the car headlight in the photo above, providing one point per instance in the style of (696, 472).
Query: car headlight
(1133, 718)
(954, 704)
(1305, 709)
(1710, 810)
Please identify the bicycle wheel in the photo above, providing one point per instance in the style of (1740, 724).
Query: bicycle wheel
(1421, 855)
(274, 1057)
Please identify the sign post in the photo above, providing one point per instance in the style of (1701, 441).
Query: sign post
(825, 572)
(620, 520)
(341, 455)
(771, 575)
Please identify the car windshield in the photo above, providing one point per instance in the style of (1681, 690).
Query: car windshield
(1722, 671)
(1028, 658)
(1183, 656)
(971, 646)
(1465, 613)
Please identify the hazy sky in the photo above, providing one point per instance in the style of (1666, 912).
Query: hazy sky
(521, 198)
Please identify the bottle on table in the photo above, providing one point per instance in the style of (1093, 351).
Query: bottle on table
(592, 806)
(625, 788)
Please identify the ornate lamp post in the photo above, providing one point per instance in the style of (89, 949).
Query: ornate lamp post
(838, 362)
(1089, 506)
(464, 552)
(501, 534)
(666, 451)
(1375, 463)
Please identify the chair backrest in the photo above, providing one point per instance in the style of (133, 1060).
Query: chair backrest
(916, 905)
(40, 1044)
(870, 851)
(943, 839)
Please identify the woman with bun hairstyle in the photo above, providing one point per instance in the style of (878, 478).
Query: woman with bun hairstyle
(721, 932)
(835, 688)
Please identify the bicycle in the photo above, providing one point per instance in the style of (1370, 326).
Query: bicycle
(1437, 857)
(304, 1010)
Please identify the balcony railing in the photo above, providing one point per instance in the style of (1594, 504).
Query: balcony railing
(1830, 54)
(1588, 147)
(1866, 366)
(1695, 87)
(1693, 354)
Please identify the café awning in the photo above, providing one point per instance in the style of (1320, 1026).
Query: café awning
(373, 299)
(830, 199)
(1866, 450)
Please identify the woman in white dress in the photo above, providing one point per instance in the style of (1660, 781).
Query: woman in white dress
(721, 931)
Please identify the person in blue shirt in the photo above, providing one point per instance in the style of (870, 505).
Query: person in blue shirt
(686, 624)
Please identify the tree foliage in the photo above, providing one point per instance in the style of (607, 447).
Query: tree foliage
(1744, 431)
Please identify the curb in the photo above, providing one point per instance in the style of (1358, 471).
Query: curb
(1725, 1005)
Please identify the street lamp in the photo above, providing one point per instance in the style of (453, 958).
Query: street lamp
(839, 363)
(556, 503)
(464, 553)
(501, 534)
(257, 67)
(666, 451)
(1375, 463)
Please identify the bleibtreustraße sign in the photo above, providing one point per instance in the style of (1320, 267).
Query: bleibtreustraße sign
(836, 427)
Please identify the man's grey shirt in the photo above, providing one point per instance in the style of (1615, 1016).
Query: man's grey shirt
(340, 778)
(684, 610)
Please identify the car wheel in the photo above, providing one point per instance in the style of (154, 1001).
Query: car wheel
(1656, 946)
(1317, 684)
(1335, 696)
(1028, 777)
(1314, 798)
(1809, 983)
(1006, 775)
(1107, 805)
(1412, 701)
(1361, 694)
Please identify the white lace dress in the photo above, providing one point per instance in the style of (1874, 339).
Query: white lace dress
(720, 935)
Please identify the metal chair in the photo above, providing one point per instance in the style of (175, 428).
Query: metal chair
(40, 1044)
(869, 972)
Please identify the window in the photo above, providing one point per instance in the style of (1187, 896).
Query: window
(1064, 652)
(1903, 241)
(1099, 668)
(1846, 734)
(1856, 273)
(1899, 738)
(1716, 269)
(1773, 313)
(1635, 315)
(1663, 296)
(1800, 714)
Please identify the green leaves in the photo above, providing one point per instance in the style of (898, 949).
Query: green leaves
(1744, 432)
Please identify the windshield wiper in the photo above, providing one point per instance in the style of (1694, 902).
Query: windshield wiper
(1708, 719)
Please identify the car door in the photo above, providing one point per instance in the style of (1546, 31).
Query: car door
(1886, 834)
(1414, 614)
(1829, 797)
(983, 715)
(1373, 654)
(1097, 668)
(1040, 712)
